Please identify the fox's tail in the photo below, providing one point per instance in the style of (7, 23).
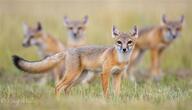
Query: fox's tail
(41, 66)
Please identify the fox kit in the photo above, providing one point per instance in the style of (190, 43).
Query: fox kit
(46, 44)
(76, 31)
(109, 60)
(155, 39)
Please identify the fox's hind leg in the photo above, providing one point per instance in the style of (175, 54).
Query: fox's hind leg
(72, 72)
(55, 76)
(67, 81)
(155, 64)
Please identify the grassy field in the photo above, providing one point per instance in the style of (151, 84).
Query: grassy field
(173, 92)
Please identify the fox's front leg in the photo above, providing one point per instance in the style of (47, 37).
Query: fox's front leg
(105, 82)
(117, 83)
(155, 64)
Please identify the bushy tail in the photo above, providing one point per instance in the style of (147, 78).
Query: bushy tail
(41, 66)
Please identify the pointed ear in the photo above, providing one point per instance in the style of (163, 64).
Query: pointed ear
(39, 26)
(115, 32)
(85, 19)
(181, 19)
(25, 27)
(135, 32)
(66, 20)
(163, 19)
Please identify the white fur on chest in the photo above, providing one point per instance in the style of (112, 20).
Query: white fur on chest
(123, 57)
(167, 37)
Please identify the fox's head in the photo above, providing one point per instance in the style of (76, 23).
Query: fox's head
(124, 42)
(32, 36)
(76, 28)
(171, 29)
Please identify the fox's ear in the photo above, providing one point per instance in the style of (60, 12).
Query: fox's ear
(163, 19)
(66, 20)
(134, 32)
(181, 19)
(39, 26)
(85, 19)
(115, 32)
(25, 27)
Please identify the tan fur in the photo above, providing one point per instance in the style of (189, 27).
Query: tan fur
(47, 45)
(154, 39)
(76, 29)
(77, 38)
(92, 58)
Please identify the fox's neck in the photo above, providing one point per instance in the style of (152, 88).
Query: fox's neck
(122, 57)
(76, 42)
(50, 45)
(166, 37)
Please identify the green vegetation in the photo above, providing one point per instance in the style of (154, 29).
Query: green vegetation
(173, 92)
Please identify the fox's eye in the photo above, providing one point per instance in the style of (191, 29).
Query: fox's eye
(79, 28)
(168, 29)
(129, 42)
(178, 29)
(70, 28)
(31, 36)
(119, 42)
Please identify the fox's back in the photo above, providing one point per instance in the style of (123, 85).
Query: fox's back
(89, 56)
(149, 37)
(51, 46)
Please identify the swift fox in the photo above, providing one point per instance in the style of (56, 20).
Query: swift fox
(77, 38)
(76, 29)
(109, 60)
(47, 45)
(155, 39)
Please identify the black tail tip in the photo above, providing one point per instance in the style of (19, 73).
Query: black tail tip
(16, 59)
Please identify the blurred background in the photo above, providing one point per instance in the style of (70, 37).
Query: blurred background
(102, 15)
(172, 93)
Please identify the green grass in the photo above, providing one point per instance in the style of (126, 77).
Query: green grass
(173, 92)
(170, 93)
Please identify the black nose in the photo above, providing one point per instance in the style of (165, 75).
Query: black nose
(75, 34)
(124, 50)
(174, 36)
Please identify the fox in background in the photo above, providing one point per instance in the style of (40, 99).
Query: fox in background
(76, 30)
(76, 38)
(110, 61)
(47, 45)
(156, 39)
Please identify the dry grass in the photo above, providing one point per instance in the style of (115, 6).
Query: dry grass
(171, 93)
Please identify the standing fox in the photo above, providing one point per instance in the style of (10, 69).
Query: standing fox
(46, 44)
(156, 39)
(76, 38)
(110, 60)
